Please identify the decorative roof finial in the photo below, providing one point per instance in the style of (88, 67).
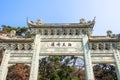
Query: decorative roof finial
(82, 21)
(39, 21)
(110, 34)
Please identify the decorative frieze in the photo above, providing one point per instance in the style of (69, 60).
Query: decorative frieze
(107, 46)
(118, 45)
(19, 46)
(93, 46)
(101, 46)
(104, 45)
(114, 45)
(13, 46)
(27, 46)
(61, 31)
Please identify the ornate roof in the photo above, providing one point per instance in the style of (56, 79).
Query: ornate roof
(82, 24)
(103, 39)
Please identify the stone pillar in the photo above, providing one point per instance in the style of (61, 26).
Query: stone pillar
(35, 58)
(4, 65)
(88, 62)
(117, 60)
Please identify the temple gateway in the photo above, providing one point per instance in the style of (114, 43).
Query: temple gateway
(60, 39)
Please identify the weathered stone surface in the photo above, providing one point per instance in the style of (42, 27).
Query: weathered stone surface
(58, 39)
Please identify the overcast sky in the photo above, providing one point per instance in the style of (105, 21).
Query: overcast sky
(107, 12)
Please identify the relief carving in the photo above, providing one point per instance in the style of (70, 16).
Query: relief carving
(13, 46)
(107, 46)
(101, 46)
(20, 46)
(27, 46)
(94, 46)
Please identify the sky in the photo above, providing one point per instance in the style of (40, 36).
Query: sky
(107, 12)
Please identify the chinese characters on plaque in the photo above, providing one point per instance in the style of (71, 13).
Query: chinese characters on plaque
(60, 44)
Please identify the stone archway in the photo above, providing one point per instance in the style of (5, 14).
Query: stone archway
(18, 71)
(104, 72)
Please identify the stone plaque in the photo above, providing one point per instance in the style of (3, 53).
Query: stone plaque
(61, 47)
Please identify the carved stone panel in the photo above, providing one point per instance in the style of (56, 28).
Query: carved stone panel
(13, 46)
(27, 46)
(20, 46)
(101, 46)
(61, 47)
(107, 46)
(94, 46)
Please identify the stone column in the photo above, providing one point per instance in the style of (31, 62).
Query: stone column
(117, 60)
(88, 62)
(35, 58)
(4, 65)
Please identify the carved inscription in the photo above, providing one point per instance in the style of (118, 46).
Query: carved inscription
(60, 44)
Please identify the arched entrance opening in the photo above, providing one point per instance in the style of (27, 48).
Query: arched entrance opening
(104, 72)
(61, 67)
(18, 71)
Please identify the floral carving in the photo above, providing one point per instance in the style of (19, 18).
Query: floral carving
(107, 46)
(13, 46)
(94, 46)
(101, 46)
(20, 46)
(27, 46)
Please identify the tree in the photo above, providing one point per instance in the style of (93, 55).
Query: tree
(8, 28)
(104, 72)
(18, 72)
(20, 31)
(57, 68)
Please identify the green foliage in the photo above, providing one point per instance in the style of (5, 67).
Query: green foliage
(8, 28)
(52, 68)
(28, 34)
(75, 78)
(20, 31)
